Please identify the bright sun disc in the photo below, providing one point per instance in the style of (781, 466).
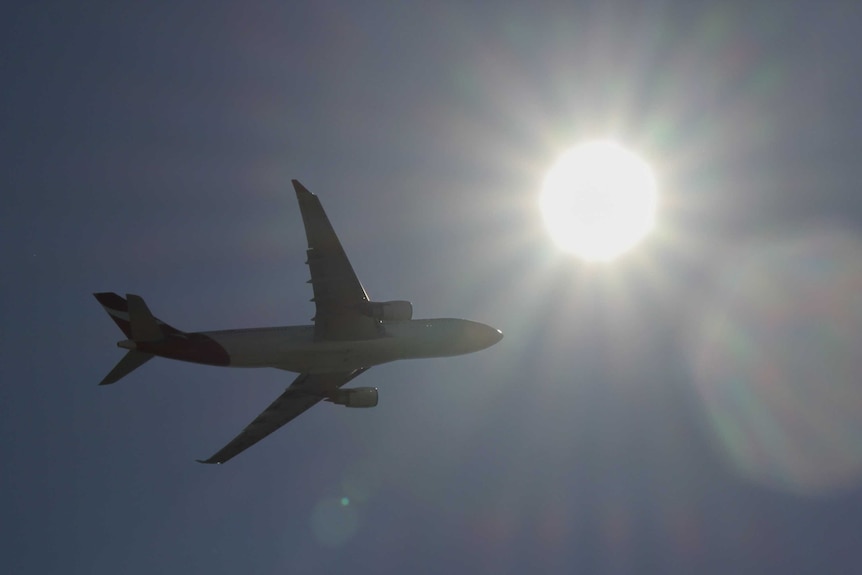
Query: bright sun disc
(599, 200)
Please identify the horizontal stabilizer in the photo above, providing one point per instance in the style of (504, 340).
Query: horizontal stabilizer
(130, 362)
(144, 325)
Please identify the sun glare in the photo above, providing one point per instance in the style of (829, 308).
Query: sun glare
(599, 200)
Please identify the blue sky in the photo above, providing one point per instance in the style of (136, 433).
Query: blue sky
(691, 407)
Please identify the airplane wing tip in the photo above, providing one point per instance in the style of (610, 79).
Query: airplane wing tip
(299, 188)
(109, 299)
(209, 461)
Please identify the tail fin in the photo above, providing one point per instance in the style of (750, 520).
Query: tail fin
(130, 362)
(133, 317)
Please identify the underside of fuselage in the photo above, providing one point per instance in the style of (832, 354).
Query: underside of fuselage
(294, 348)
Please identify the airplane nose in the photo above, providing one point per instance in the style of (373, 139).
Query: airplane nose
(479, 335)
(491, 336)
(497, 336)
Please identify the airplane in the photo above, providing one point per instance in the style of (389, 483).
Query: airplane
(350, 334)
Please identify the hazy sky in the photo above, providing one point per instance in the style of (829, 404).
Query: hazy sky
(694, 407)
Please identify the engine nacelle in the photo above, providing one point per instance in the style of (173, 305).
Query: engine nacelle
(397, 310)
(355, 397)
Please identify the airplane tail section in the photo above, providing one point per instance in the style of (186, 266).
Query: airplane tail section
(133, 317)
(130, 362)
(144, 326)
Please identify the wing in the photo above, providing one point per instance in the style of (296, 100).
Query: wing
(305, 392)
(338, 295)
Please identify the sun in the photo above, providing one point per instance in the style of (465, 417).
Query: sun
(599, 200)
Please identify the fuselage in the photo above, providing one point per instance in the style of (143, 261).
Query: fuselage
(294, 348)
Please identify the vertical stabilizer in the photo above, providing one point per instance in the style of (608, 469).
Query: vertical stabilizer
(134, 311)
(117, 308)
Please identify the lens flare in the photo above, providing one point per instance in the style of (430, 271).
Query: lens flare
(778, 359)
(333, 523)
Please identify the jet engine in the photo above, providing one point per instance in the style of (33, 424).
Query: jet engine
(397, 310)
(355, 397)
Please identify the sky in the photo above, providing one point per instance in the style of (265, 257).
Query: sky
(694, 406)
